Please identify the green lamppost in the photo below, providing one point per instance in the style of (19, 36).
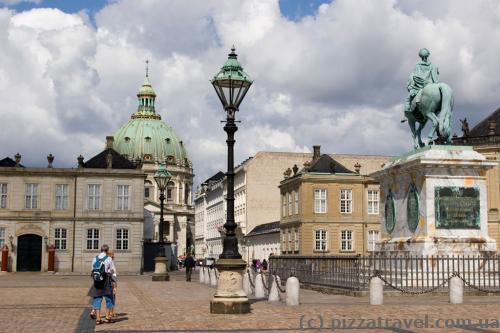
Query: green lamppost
(231, 85)
(162, 176)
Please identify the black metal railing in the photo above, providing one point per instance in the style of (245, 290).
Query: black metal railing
(412, 273)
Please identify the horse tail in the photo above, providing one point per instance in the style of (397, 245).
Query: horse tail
(445, 113)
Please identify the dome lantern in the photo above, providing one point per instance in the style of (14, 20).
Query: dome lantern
(146, 99)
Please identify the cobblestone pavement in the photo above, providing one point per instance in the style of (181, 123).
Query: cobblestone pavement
(43, 303)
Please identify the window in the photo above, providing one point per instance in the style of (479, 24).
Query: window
(3, 195)
(320, 240)
(2, 237)
(93, 239)
(373, 199)
(373, 237)
(296, 202)
(283, 240)
(283, 199)
(60, 238)
(186, 195)
(148, 185)
(290, 211)
(346, 201)
(123, 196)
(122, 239)
(296, 239)
(346, 240)
(319, 200)
(289, 240)
(170, 190)
(61, 196)
(31, 196)
(94, 197)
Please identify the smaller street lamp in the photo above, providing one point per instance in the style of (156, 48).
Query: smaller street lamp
(162, 177)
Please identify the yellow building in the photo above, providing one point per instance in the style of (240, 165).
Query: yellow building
(485, 139)
(327, 209)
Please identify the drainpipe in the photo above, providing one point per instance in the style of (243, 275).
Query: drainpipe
(74, 225)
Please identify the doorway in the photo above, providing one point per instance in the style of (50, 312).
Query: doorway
(29, 253)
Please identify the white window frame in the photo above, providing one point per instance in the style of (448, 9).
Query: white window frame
(321, 242)
(2, 237)
(60, 238)
(31, 196)
(283, 205)
(373, 200)
(289, 240)
(4, 188)
(283, 240)
(371, 241)
(122, 239)
(93, 239)
(346, 201)
(122, 197)
(94, 196)
(289, 197)
(62, 197)
(296, 202)
(346, 241)
(296, 240)
(320, 200)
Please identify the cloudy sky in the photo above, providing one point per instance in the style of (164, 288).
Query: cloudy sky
(329, 73)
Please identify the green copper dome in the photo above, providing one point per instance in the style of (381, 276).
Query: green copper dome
(146, 137)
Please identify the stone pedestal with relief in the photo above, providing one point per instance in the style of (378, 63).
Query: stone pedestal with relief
(230, 298)
(434, 202)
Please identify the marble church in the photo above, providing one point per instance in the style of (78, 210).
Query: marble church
(148, 141)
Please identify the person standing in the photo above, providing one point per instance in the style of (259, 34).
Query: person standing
(189, 263)
(103, 269)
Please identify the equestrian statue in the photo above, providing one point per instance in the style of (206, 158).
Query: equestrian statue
(428, 99)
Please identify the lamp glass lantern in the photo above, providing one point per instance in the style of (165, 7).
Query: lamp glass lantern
(231, 83)
(162, 176)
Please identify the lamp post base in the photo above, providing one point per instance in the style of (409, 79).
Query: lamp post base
(230, 298)
(161, 274)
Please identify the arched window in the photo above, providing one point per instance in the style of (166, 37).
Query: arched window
(170, 191)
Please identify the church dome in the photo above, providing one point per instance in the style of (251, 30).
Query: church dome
(146, 137)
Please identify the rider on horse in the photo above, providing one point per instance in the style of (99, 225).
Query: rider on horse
(425, 72)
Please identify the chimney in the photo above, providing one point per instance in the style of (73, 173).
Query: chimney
(316, 152)
(50, 159)
(109, 142)
(109, 161)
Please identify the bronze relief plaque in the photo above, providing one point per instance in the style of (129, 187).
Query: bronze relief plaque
(457, 207)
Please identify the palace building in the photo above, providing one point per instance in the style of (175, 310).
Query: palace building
(147, 140)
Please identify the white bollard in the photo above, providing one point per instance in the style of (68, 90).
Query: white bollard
(376, 291)
(206, 274)
(202, 276)
(246, 284)
(260, 292)
(213, 278)
(456, 290)
(274, 294)
(292, 291)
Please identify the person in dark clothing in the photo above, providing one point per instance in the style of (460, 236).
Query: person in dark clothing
(264, 265)
(189, 263)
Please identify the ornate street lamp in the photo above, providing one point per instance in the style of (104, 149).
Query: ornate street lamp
(162, 177)
(231, 85)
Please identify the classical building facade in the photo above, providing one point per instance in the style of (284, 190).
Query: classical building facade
(485, 139)
(76, 210)
(327, 208)
(147, 140)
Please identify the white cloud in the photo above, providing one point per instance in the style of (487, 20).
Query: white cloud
(335, 79)
(15, 2)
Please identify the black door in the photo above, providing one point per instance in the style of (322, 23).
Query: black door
(29, 253)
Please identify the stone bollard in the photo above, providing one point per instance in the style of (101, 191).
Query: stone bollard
(456, 290)
(376, 291)
(260, 292)
(213, 278)
(206, 274)
(292, 291)
(274, 294)
(246, 284)
(202, 276)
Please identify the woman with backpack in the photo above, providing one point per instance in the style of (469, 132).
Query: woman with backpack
(103, 269)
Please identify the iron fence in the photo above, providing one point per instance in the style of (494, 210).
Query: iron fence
(405, 273)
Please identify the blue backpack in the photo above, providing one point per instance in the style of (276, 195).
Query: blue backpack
(99, 274)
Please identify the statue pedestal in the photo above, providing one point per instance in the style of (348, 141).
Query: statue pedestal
(160, 273)
(433, 202)
(230, 298)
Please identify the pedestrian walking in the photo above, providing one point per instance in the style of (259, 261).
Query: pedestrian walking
(264, 265)
(189, 263)
(103, 269)
(258, 265)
